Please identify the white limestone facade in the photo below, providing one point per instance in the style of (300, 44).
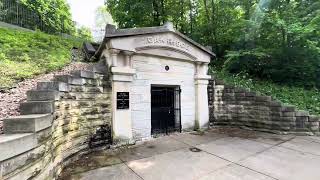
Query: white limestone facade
(141, 58)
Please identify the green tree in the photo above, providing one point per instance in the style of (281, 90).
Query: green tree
(277, 40)
(84, 33)
(54, 14)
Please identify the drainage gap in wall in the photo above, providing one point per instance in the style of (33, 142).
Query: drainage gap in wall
(194, 149)
(102, 137)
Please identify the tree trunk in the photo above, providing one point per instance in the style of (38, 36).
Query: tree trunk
(156, 14)
(191, 17)
(163, 13)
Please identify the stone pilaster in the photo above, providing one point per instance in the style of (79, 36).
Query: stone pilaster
(122, 78)
(128, 61)
(114, 57)
(202, 107)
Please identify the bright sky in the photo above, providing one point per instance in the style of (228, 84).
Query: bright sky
(83, 11)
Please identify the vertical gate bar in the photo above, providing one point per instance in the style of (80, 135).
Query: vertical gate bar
(180, 108)
(166, 103)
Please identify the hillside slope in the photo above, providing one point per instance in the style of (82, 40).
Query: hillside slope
(25, 54)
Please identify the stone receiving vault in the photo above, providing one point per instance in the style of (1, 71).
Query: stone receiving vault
(158, 60)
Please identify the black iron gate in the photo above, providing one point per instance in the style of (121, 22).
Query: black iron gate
(165, 110)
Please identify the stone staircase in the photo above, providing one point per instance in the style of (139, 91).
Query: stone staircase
(59, 121)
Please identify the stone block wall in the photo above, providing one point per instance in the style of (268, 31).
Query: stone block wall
(60, 121)
(232, 106)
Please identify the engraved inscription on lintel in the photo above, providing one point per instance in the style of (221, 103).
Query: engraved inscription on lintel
(160, 40)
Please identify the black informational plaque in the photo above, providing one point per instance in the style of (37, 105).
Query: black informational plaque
(123, 100)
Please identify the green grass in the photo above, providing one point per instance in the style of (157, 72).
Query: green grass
(26, 54)
(303, 99)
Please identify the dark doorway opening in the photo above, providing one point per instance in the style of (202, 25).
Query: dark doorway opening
(165, 110)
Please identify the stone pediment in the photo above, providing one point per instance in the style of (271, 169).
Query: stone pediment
(161, 44)
(166, 52)
(158, 41)
(165, 45)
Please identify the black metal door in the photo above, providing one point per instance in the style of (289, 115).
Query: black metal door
(165, 110)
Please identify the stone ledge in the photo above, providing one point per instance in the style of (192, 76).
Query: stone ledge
(42, 95)
(85, 74)
(15, 144)
(37, 107)
(27, 123)
(58, 86)
(70, 79)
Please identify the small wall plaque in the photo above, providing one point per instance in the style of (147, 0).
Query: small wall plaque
(123, 100)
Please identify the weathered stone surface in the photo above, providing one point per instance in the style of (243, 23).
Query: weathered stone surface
(288, 108)
(232, 106)
(85, 74)
(37, 107)
(70, 79)
(58, 86)
(301, 113)
(42, 95)
(27, 123)
(15, 144)
(100, 68)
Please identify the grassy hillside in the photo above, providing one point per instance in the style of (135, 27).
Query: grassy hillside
(303, 99)
(26, 54)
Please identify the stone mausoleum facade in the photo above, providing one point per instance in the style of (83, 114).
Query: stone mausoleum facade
(159, 81)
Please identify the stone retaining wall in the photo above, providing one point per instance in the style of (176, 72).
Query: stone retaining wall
(232, 106)
(60, 121)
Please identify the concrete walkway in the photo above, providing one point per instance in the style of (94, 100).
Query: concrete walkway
(219, 154)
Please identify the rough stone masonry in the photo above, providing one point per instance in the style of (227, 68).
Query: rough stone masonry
(237, 107)
(61, 120)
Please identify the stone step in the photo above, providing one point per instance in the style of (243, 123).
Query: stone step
(84, 95)
(27, 123)
(70, 79)
(99, 68)
(84, 74)
(42, 95)
(58, 86)
(88, 89)
(37, 107)
(12, 145)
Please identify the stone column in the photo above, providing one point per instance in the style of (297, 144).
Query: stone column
(202, 107)
(121, 118)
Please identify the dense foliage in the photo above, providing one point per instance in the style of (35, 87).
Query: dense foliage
(274, 40)
(51, 16)
(26, 54)
(54, 13)
(303, 99)
(84, 33)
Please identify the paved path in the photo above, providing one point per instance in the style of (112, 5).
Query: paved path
(220, 154)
